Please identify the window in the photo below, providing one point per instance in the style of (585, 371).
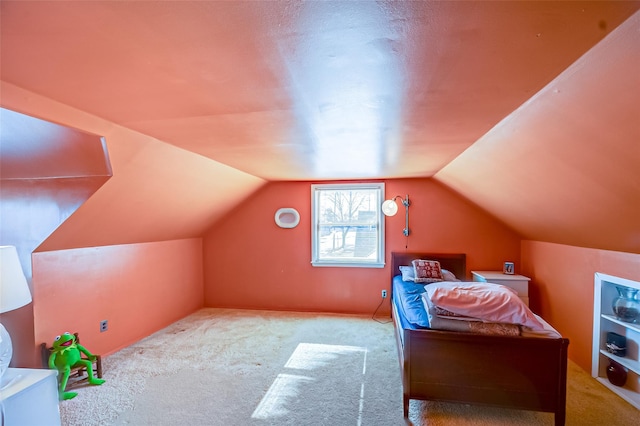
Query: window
(347, 225)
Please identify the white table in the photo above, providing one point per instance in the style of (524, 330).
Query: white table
(30, 397)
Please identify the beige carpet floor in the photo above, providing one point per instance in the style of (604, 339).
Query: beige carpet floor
(233, 367)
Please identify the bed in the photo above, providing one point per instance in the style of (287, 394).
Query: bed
(515, 372)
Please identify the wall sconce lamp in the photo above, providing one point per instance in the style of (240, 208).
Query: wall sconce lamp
(390, 208)
(14, 294)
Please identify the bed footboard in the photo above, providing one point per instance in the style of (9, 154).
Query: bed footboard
(512, 372)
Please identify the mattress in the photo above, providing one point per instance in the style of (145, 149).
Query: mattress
(410, 299)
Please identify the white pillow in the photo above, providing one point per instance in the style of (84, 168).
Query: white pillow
(448, 276)
(486, 301)
(407, 273)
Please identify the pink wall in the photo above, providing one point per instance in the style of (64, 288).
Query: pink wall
(47, 171)
(562, 287)
(138, 288)
(249, 262)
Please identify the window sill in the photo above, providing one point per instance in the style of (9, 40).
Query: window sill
(334, 264)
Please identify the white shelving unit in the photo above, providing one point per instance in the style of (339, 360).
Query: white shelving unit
(604, 321)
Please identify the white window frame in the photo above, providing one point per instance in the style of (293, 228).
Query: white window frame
(317, 259)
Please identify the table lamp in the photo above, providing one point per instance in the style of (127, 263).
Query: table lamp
(14, 294)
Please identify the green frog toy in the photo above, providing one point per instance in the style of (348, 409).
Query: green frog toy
(65, 355)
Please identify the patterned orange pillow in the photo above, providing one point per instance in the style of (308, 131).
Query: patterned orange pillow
(427, 271)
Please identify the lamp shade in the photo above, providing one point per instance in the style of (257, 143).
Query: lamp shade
(14, 290)
(389, 208)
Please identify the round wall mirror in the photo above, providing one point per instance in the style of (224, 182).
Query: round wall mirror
(287, 217)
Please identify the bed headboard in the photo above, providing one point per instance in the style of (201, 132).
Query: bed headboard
(454, 262)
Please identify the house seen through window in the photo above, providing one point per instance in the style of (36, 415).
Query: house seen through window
(347, 225)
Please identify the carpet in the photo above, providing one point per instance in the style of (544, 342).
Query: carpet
(240, 367)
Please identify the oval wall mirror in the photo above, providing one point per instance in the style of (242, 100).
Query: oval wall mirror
(287, 217)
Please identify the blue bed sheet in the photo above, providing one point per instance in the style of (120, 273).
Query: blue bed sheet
(407, 297)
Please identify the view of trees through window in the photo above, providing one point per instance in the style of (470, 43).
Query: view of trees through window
(347, 223)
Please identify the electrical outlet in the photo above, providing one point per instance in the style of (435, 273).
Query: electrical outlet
(104, 325)
(384, 294)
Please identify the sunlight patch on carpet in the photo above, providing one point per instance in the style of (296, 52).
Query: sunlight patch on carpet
(310, 356)
(337, 362)
(282, 390)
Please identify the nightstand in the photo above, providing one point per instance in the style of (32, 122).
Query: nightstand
(519, 283)
(30, 397)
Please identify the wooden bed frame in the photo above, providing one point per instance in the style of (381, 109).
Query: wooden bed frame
(526, 373)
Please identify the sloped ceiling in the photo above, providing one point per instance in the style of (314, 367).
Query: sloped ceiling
(27, 144)
(294, 90)
(569, 158)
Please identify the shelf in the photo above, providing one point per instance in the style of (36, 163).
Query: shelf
(625, 362)
(629, 325)
(604, 321)
(630, 396)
